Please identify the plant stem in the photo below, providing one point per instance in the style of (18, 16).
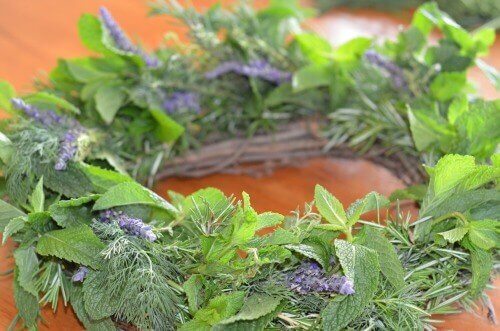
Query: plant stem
(348, 234)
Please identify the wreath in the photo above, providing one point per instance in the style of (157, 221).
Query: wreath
(252, 90)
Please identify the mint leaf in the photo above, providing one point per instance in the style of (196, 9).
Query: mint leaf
(268, 219)
(454, 235)
(447, 84)
(26, 303)
(108, 100)
(131, 193)
(218, 308)
(255, 307)
(104, 179)
(315, 48)
(329, 207)
(37, 197)
(168, 130)
(27, 267)
(8, 212)
(15, 225)
(311, 76)
(77, 244)
(390, 265)
(90, 32)
(360, 264)
(206, 201)
(314, 248)
(73, 212)
(485, 234)
(192, 287)
(372, 201)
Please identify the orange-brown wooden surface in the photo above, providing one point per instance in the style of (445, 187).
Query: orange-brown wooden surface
(34, 33)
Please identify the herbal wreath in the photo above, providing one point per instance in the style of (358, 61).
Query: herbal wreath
(252, 86)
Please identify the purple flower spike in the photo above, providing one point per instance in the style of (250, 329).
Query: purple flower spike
(121, 41)
(67, 149)
(395, 73)
(182, 101)
(132, 226)
(44, 117)
(256, 68)
(80, 274)
(311, 278)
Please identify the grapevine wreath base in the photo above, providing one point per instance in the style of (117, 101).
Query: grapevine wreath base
(252, 91)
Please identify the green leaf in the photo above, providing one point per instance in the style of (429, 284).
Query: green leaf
(6, 149)
(352, 50)
(220, 307)
(109, 98)
(78, 244)
(27, 267)
(258, 324)
(314, 248)
(390, 264)
(481, 266)
(458, 106)
(104, 179)
(485, 234)
(84, 71)
(8, 212)
(454, 235)
(73, 212)
(37, 197)
(372, 201)
(192, 287)
(414, 192)
(315, 48)
(47, 100)
(15, 225)
(26, 303)
(76, 299)
(312, 76)
(207, 201)
(447, 84)
(280, 237)
(90, 32)
(7, 92)
(255, 307)
(131, 193)
(329, 207)
(268, 219)
(360, 264)
(168, 130)
(99, 304)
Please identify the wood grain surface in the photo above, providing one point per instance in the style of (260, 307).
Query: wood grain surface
(34, 33)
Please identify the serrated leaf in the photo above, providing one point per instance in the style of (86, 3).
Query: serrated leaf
(372, 201)
(72, 213)
(130, 193)
(72, 182)
(47, 100)
(78, 244)
(280, 237)
(454, 235)
(27, 266)
(37, 197)
(99, 304)
(485, 234)
(8, 212)
(15, 225)
(259, 324)
(390, 265)
(76, 300)
(268, 219)
(314, 249)
(104, 179)
(362, 265)
(192, 287)
(329, 207)
(220, 307)
(26, 303)
(481, 266)
(205, 201)
(311, 76)
(447, 84)
(256, 306)
(108, 99)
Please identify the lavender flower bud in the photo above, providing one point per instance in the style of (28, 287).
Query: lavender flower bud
(121, 41)
(132, 226)
(46, 117)
(181, 101)
(80, 274)
(395, 73)
(256, 68)
(67, 149)
(311, 278)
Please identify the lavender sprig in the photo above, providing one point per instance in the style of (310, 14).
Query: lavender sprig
(121, 41)
(132, 226)
(311, 278)
(80, 274)
(182, 100)
(68, 143)
(256, 68)
(393, 70)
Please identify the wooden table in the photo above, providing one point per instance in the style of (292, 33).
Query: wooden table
(33, 34)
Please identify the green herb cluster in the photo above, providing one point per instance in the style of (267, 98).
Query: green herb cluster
(213, 262)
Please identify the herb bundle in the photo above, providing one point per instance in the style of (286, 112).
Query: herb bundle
(90, 235)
